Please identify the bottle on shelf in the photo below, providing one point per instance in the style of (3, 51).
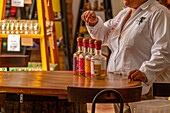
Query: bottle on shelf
(87, 5)
(31, 31)
(21, 28)
(17, 27)
(7, 28)
(36, 27)
(102, 6)
(26, 27)
(76, 56)
(3, 27)
(12, 28)
(0, 27)
(82, 57)
(98, 63)
(95, 5)
(88, 58)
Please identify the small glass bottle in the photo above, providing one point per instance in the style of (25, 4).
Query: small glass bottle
(88, 58)
(98, 63)
(26, 28)
(7, 28)
(87, 5)
(12, 28)
(76, 56)
(95, 5)
(3, 27)
(36, 28)
(0, 26)
(82, 57)
(21, 28)
(17, 27)
(31, 31)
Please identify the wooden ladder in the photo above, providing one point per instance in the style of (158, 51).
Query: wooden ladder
(42, 6)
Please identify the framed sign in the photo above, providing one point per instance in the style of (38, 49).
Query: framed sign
(17, 3)
(13, 43)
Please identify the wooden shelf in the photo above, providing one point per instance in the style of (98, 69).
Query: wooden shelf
(14, 60)
(93, 10)
(24, 36)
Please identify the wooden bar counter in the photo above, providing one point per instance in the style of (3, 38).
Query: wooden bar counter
(62, 83)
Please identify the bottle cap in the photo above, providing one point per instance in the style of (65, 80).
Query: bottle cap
(86, 40)
(91, 41)
(98, 42)
(80, 39)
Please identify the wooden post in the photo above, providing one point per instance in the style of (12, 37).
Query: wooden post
(43, 41)
(2, 15)
(53, 38)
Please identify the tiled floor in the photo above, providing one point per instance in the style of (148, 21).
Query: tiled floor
(101, 108)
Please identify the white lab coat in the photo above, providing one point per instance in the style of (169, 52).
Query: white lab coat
(142, 44)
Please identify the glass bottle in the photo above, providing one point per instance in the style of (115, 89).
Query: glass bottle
(36, 28)
(76, 56)
(0, 27)
(31, 31)
(82, 57)
(87, 5)
(21, 27)
(7, 27)
(95, 5)
(12, 28)
(17, 27)
(98, 63)
(88, 58)
(26, 27)
(3, 27)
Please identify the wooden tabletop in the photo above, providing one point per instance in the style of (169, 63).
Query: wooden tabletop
(54, 83)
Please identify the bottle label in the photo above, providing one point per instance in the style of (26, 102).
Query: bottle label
(98, 68)
(87, 67)
(75, 65)
(81, 65)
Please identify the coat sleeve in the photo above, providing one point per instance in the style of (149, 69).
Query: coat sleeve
(101, 30)
(160, 51)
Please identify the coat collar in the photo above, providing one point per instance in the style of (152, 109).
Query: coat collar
(146, 4)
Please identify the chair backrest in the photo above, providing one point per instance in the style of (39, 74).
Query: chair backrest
(161, 89)
(98, 98)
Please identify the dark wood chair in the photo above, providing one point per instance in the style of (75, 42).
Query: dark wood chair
(110, 99)
(161, 89)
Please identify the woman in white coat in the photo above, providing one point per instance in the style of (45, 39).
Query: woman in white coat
(139, 39)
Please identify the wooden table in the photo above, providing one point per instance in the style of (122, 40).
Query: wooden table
(56, 84)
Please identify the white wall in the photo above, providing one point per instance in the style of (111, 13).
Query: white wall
(116, 7)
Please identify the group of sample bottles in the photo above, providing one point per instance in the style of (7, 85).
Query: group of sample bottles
(94, 6)
(22, 27)
(90, 64)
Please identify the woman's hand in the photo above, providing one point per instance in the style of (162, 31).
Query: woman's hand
(137, 75)
(90, 17)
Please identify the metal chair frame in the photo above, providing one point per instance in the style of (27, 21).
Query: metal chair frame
(108, 91)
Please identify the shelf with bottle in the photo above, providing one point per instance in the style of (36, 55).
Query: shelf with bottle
(94, 5)
(57, 16)
(32, 66)
(23, 28)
